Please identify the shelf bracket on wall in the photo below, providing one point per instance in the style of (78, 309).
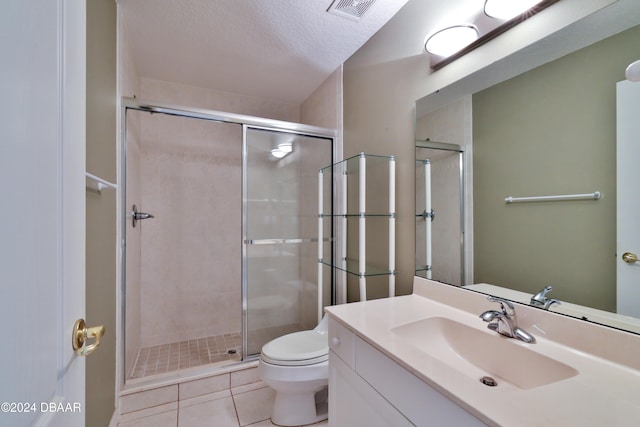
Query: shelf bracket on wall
(102, 184)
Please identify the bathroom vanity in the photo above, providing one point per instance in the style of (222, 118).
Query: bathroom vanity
(419, 360)
(368, 388)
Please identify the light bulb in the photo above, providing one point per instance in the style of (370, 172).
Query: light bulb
(450, 40)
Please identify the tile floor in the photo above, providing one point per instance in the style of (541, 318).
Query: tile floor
(235, 399)
(171, 357)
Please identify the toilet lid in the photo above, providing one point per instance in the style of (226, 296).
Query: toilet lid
(298, 348)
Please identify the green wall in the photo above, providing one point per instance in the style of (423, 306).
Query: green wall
(101, 208)
(551, 131)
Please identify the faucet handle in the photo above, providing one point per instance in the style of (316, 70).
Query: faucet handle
(504, 304)
(550, 302)
(540, 298)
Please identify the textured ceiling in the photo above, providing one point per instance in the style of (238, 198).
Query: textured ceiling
(279, 49)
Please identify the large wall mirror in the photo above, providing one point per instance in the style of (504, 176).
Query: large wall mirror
(548, 131)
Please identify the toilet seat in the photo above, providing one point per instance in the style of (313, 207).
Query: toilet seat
(297, 349)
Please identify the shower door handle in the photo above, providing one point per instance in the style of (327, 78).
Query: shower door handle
(138, 216)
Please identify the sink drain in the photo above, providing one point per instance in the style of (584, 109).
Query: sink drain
(488, 381)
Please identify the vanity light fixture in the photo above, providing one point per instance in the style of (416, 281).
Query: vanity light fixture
(450, 40)
(498, 17)
(507, 9)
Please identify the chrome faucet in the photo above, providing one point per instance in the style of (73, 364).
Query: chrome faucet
(540, 299)
(505, 322)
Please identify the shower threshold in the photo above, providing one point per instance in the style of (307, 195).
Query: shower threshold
(164, 358)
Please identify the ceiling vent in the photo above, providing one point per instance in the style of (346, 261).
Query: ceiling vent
(350, 9)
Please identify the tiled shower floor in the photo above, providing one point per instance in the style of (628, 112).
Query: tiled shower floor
(160, 359)
(171, 357)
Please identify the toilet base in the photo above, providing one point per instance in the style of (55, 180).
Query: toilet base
(299, 375)
(287, 408)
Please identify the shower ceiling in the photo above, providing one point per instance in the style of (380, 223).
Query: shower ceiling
(278, 49)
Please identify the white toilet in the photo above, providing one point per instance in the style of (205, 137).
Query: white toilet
(296, 366)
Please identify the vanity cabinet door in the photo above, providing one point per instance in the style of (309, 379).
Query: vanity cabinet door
(416, 400)
(342, 343)
(353, 402)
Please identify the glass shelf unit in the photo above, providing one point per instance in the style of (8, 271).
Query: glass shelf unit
(351, 266)
(349, 172)
(363, 188)
(356, 215)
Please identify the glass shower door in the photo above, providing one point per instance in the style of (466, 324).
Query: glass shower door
(280, 259)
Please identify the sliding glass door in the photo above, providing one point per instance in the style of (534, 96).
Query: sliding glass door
(280, 228)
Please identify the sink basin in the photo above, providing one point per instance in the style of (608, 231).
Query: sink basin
(479, 353)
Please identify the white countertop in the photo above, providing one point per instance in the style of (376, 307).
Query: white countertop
(603, 393)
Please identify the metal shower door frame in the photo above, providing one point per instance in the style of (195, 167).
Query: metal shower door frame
(245, 121)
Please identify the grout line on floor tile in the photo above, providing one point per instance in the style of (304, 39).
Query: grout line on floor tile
(245, 388)
(235, 407)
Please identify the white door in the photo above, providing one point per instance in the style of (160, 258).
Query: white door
(42, 210)
(628, 197)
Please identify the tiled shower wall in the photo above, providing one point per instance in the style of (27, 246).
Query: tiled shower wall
(190, 264)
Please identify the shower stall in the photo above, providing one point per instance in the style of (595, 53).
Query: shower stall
(219, 252)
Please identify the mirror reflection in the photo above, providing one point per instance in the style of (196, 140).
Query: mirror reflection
(549, 131)
(439, 169)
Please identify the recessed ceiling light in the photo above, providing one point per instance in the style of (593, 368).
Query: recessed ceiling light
(507, 9)
(450, 40)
